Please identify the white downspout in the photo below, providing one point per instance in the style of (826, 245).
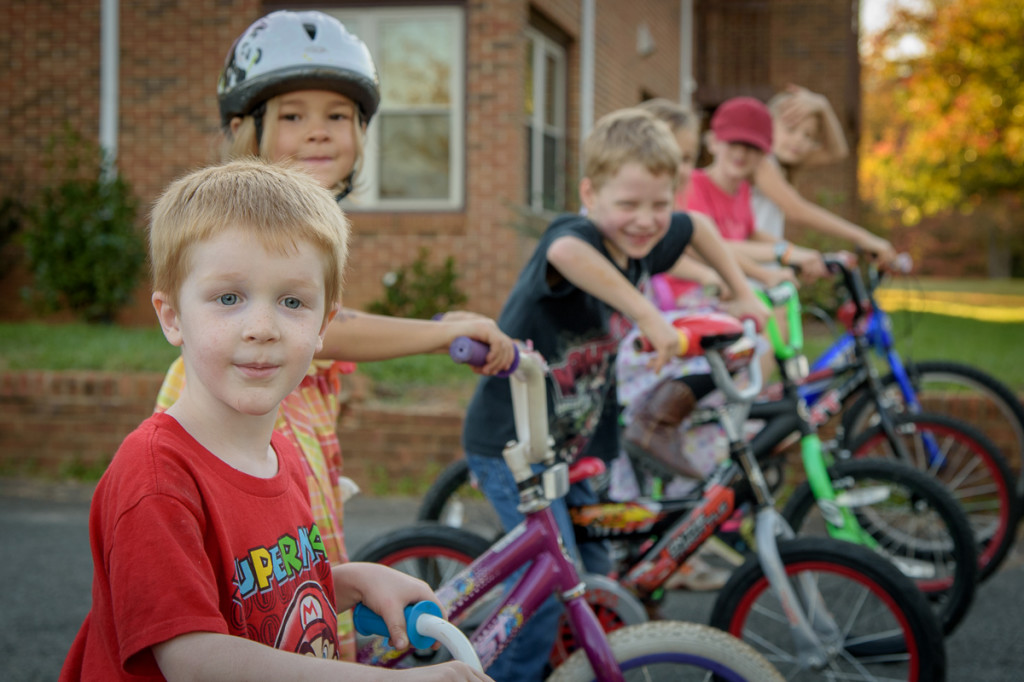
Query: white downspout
(109, 62)
(687, 83)
(587, 68)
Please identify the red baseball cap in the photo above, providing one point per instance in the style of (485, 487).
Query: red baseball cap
(743, 119)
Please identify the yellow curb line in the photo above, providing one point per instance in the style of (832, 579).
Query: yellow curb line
(916, 302)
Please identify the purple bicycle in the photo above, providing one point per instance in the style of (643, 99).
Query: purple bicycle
(662, 650)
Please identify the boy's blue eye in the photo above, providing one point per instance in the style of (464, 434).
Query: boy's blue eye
(292, 302)
(228, 299)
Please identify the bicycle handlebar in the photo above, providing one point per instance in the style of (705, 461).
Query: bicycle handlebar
(779, 295)
(424, 626)
(723, 378)
(529, 396)
(467, 351)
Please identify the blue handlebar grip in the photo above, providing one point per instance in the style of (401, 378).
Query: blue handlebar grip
(467, 351)
(367, 622)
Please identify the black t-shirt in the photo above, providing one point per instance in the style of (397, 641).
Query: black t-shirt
(578, 335)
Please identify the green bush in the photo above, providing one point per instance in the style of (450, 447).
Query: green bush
(83, 249)
(420, 290)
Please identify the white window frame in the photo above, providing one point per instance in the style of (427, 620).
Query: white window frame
(366, 22)
(544, 47)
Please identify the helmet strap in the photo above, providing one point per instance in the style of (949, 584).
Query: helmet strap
(257, 119)
(345, 192)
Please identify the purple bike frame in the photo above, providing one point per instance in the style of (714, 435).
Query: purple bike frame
(534, 544)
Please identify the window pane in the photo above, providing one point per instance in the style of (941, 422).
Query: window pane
(552, 176)
(551, 83)
(415, 62)
(529, 165)
(414, 162)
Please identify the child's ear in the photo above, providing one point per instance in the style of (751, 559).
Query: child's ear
(168, 317)
(587, 192)
(335, 308)
(234, 125)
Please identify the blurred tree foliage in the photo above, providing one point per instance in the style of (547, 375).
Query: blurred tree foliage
(944, 120)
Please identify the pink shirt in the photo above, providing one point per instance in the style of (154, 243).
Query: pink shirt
(732, 213)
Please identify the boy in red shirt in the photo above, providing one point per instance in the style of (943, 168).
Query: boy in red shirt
(207, 563)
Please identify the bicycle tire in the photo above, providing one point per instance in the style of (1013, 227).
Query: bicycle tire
(674, 651)
(862, 592)
(918, 525)
(453, 500)
(974, 471)
(439, 551)
(934, 382)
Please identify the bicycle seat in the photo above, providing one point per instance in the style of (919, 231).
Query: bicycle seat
(584, 468)
(710, 331)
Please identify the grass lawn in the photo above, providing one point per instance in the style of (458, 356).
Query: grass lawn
(997, 348)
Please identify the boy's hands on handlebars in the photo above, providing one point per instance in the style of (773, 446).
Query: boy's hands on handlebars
(749, 307)
(484, 329)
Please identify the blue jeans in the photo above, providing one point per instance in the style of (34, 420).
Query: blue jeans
(522, 661)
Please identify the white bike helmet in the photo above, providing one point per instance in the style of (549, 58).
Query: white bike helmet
(286, 51)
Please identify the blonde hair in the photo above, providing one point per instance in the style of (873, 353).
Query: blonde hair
(629, 136)
(245, 142)
(677, 116)
(277, 206)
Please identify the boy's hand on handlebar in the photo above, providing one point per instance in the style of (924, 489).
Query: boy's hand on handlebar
(663, 338)
(879, 249)
(749, 308)
(810, 262)
(385, 591)
(775, 277)
(481, 328)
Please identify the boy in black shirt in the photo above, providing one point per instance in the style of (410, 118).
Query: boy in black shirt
(575, 300)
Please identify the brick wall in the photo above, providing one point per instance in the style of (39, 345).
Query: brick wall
(171, 54)
(56, 423)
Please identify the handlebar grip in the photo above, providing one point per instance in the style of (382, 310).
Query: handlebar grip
(367, 622)
(466, 351)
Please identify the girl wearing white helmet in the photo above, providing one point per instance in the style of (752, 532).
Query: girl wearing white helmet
(297, 87)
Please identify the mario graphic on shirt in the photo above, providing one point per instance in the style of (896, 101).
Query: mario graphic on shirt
(310, 626)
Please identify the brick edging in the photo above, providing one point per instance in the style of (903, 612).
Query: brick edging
(56, 422)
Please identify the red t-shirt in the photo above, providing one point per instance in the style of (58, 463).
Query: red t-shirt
(732, 213)
(182, 542)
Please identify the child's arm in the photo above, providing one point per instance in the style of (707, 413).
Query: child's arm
(224, 658)
(763, 248)
(361, 337)
(584, 266)
(713, 249)
(771, 182)
(694, 269)
(386, 591)
(805, 103)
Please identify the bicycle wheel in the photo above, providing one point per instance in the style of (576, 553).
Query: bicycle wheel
(673, 651)
(957, 389)
(454, 500)
(430, 552)
(886, 631)
(967, 463)
(915, 521)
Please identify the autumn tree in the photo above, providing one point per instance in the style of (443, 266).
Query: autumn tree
(944, 121)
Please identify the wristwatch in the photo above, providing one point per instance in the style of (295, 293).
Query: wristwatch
(781, 249)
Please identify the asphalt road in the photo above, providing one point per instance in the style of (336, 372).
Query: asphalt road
(47, 572)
